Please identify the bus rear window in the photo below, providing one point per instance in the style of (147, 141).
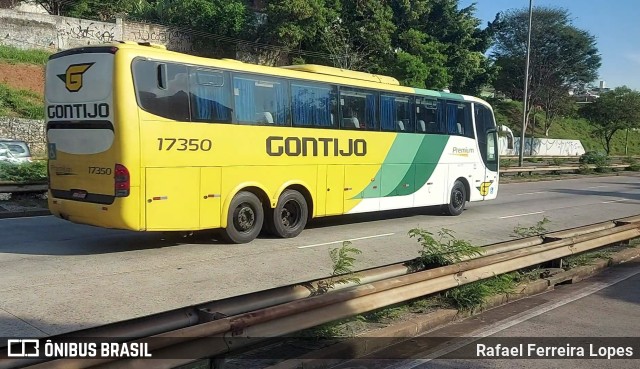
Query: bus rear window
(162, 89)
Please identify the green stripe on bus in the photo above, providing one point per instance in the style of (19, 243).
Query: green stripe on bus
(404, 177)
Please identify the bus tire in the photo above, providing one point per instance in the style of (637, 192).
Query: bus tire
(290, 215)
(457, 200)
(245, 218)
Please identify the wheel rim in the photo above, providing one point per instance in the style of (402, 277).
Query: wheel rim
(244, 217)
(457, 198)
(290, 214)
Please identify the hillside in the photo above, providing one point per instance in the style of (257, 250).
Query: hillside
(572, 127)
(22, 82)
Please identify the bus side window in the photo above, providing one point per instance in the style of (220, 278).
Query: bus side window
(261, 100)
(459, 119)
(465, 126)
(210, 96)
(358, 109)
(395, 114)
(313, 105)
(427, 116)
(166, 97)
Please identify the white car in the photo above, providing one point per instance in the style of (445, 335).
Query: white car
(14, 151)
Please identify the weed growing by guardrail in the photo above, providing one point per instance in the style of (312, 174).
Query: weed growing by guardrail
(446, 249)
(539, 228)
(586, 258)
(35, 171)
(634, 165)
(506, 163)
(342, 259)
(584, 169)
(472, 296)
(558, 161)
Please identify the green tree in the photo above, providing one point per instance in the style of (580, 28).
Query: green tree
(370, 26)
(448, 40)
(93, 9)
(293, 22)
(613, 111)
(218, 17)
(562, 57)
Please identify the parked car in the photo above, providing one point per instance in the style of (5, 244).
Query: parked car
(14, 151)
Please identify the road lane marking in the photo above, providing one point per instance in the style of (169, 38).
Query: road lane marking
(514, 320)
(609, 202)
(351, 239)
(521, 215)
(597, 186)
(531, 193)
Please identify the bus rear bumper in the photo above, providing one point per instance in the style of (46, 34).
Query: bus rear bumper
(122, 214)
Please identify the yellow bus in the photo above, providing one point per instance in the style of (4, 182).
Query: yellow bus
(146, 139)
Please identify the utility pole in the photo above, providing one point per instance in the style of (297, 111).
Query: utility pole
(526, 88)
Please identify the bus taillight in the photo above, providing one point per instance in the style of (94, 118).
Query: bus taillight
(122, 182)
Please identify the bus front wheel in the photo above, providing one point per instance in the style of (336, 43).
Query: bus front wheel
(457, 200)
(245, 218)
(289, 216)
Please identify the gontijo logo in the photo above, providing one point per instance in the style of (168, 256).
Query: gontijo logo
(72, 78)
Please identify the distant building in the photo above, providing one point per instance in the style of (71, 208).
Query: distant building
(589, 93)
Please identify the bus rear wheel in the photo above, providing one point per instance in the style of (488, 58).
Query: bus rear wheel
(289, 217)
(245, 218)
(457, 200)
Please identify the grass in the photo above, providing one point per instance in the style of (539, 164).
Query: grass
(20, 103)
(13, 55)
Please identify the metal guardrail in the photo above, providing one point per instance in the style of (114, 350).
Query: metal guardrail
(544, 157)
(292, 308)
(23, 187)
(556, 168)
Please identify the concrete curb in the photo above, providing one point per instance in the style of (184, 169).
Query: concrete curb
(364, 344)
(24, 214)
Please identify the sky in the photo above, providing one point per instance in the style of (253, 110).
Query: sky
(614, 23)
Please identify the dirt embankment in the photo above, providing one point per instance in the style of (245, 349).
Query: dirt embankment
(23, 76)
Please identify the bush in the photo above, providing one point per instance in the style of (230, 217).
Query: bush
(25, 172)
(597, 158)
(594, 157)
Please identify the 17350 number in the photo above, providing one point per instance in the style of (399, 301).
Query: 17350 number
(184, 144)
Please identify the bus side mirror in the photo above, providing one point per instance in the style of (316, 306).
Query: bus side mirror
(505, 131)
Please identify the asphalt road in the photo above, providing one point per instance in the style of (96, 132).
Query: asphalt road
(57, 277)
(601, 311)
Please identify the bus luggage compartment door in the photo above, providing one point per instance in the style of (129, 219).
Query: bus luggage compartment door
(171, 203)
